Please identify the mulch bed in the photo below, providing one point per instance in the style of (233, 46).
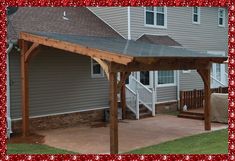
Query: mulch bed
(33, 138)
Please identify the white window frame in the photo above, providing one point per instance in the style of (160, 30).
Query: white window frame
(150, 79)
(223, 25)
(222, 66)
(96, 75)
(186, 71)
(198, 14)
(155, 20)
(167, 84)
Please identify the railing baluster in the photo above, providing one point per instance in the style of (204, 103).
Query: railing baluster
(137, 106)
(153, 102)
(195, 98)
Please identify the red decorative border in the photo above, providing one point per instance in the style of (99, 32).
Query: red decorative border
(207, 3)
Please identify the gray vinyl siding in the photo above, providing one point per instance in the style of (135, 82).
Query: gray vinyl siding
(116, 17)
(205, 36)
(190, 81)
(166, 93)
(58, 82)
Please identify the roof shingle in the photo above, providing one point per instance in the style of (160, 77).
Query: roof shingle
(159, 40)
(80, 21)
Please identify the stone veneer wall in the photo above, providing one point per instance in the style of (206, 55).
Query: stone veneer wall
(59, 121)
(166, 107)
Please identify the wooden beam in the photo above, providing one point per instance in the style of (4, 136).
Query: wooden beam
(113, 114)
(30, 51)
(103, 65)
(77, 48)
(161, 64)
(150, 60)
(24, 89)
(205, 75)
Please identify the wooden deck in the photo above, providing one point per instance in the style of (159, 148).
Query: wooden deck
(197, 114)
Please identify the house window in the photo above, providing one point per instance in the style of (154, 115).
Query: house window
(166, 77)
(155, 16)
(196, 15)
(145, 78)
(218, 72)
(96, 70)
(221, 17)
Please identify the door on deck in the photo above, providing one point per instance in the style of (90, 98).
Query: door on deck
(146, 78)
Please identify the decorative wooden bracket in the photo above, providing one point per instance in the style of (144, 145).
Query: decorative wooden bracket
(30, 51)
(124, 76)
(104, 66)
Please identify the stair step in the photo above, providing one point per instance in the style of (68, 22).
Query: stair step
(143, 109)
(191, 116)
(191, 113)
(145, 114)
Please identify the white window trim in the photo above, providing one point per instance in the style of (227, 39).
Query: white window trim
(150, 79)
(186, 71)
(155, 25)
(165, 85)
(199, 16)
(96, 75)
(222, 66)
(223, 17)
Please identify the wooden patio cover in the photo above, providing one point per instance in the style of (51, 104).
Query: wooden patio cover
(116, 55)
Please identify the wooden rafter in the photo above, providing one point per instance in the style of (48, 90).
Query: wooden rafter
(30, 51)
(78, 49)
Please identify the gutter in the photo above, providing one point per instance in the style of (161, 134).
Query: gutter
(9, 129)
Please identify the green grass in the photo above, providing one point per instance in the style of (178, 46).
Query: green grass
(34, 149)
(207, 143)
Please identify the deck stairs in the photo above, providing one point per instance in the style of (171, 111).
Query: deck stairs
(140, 100)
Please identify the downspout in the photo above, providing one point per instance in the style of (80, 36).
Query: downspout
(178, 89)
(129, 22)
(9, 129)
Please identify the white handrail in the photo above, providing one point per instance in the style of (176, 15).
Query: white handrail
(218, 81)
(140, 83)
(137, 106)
(130, 89)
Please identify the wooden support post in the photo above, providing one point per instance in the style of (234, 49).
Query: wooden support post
(113, 113)
(205, 75)
(181, 101)
(123, 95)
(24, 89)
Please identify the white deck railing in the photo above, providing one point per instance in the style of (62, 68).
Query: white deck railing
(132, 101)
(226, 78)
(216, 83)
(146, 96)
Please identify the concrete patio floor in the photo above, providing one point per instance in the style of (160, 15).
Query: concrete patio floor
(133, 134)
